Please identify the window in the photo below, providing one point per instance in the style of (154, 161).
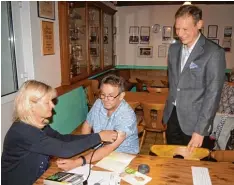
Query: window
(9, 82)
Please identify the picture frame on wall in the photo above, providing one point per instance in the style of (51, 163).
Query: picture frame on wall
(144, 34)
(47, 30)
(167, 33)
(212, 31)
(134, 35)
(46, 9)
(215, 41)
(162, 51)
(145, 51)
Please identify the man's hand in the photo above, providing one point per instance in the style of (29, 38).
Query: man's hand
(196, 141)
(108, 135)
(68, 164)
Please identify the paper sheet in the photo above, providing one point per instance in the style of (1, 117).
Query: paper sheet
(102, 177)
(116, 162)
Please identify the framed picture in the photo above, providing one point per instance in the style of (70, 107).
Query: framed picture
(46, 9)
(134, 35)
(212, 31)
(145, 51)
(167, 33)
(47, 37)
(162, 50)
(215, 41)
(145, 34)
(93, 51)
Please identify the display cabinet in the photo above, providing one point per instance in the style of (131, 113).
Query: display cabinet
(86, 39)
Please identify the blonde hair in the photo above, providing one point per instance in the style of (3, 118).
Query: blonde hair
(30, 92)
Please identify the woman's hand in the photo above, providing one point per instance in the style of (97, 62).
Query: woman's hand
(108, 135)
(68, 164)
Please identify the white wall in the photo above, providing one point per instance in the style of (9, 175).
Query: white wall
(29, 55)
(221, 15)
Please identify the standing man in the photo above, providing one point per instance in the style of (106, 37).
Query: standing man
(196, 68)
(110, 112)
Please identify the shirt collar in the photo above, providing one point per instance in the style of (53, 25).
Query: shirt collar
(191, 48)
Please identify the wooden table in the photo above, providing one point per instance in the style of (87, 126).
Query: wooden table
(159, 98)
(167, 171)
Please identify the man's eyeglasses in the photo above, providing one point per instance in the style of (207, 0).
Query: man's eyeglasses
(111, 98)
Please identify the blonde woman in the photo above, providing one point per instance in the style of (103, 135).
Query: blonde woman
(31, 141)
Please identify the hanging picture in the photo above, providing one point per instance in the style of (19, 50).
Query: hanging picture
(167, 33)
(134, 35)
(227, 40)
(145, 34)
(212, 31)
(47, 37)
(215, 41)
(46, 9)
(145, 51)
(162, 50)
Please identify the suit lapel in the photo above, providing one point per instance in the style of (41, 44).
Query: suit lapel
(196, 52)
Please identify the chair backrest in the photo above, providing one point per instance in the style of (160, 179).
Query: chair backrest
(95, 88)
(165, 83)
(89, 93)
(157, 90)
(223, 155)
(172, 150)
(134, 105)
(140, 84)
(153, 115)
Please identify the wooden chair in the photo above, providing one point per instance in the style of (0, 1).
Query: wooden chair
(165, 83)
(140, 84)
(157, 90)
(89, 94)
(95, 88)
(153, 120)
(223, 155)
(172, 150)
(140, 127)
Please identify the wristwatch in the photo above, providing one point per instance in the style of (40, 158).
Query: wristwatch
(83, 159)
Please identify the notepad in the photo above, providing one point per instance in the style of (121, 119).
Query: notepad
(116, 161)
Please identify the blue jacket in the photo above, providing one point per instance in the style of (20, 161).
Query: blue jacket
(26, 148)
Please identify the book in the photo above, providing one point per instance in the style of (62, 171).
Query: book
(116, 161)
(64, 178)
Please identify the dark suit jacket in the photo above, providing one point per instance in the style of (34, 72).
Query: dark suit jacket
(25, 146)
(197, 89)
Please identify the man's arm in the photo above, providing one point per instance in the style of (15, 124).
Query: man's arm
(86, 128)
(67, 164)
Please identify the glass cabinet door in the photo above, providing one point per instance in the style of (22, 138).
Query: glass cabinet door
(108, 39)
(94, 38)
(77, 38)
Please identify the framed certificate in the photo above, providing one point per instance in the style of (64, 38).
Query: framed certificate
(46, 9)
(47, 37)
(212, 31)
(162, 50)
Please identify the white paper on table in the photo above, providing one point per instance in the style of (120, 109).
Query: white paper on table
(82, 170)
(116, 161)
(102, 177)
(131, 178)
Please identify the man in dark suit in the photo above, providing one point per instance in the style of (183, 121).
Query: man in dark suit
(196, 70)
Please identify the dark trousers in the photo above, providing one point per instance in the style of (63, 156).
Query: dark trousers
(175, 136)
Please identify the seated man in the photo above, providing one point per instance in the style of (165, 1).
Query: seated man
(110, 112)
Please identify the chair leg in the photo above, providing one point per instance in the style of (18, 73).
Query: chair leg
(164, 138)
(142, 139)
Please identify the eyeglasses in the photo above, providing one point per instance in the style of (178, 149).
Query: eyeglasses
(110, 98)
